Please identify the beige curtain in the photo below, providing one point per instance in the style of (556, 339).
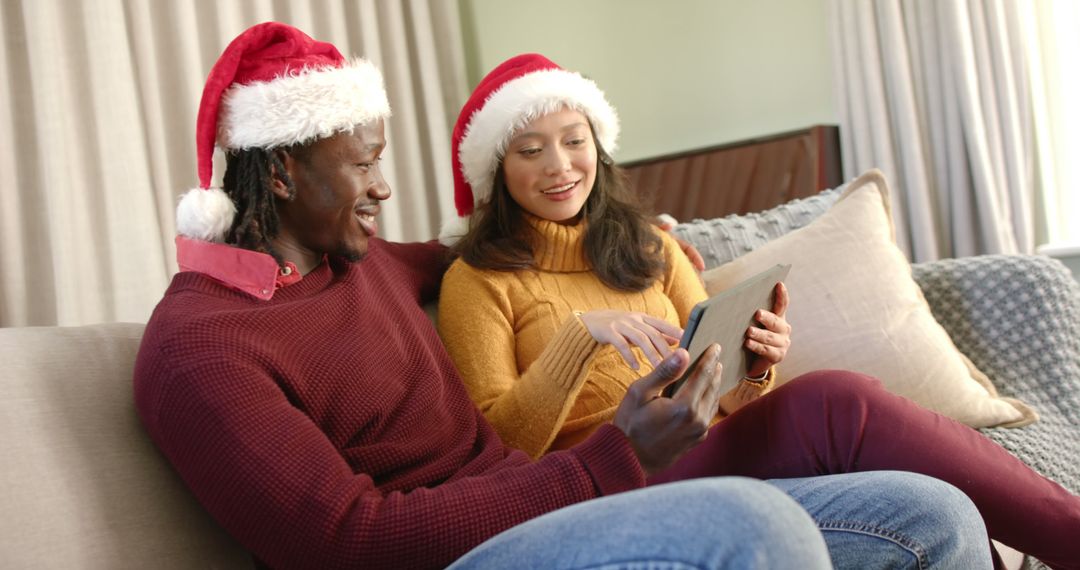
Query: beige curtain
(98, 109)
(1055, 78)
(939, 94)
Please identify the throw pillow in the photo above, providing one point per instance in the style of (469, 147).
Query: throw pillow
(855, 306)
(722, 239)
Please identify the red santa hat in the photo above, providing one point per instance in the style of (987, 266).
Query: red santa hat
(519, 90)
(273, 86)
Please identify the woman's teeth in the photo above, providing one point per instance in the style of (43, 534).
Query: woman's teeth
(559, 189)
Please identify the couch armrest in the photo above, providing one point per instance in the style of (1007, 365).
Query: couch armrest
(1017, 317)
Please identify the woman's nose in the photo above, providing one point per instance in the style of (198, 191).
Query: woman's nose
(558, 162)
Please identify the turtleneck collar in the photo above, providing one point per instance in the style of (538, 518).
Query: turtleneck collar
(561, 247)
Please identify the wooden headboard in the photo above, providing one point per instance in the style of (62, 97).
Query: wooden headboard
(740, 177)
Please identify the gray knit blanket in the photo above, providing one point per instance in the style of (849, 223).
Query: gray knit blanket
(1017, 317)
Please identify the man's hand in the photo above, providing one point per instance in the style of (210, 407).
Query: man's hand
(667, 223)
(662, 429)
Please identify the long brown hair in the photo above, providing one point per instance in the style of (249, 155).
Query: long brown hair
(619, 242)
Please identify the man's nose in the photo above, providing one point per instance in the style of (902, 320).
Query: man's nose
(379, 189)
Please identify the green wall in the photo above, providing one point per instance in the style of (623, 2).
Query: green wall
(682, 74)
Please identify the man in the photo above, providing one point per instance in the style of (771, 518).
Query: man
(292, 379)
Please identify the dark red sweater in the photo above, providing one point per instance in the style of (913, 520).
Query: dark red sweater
(327, 427)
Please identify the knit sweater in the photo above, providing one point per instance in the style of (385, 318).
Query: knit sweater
(505, 330)
(326, 427)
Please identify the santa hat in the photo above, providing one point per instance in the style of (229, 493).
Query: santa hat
(273, 86)
(519, 90)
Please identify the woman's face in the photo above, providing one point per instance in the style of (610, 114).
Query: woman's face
(550, 166)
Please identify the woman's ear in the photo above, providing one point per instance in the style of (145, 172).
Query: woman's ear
(280, 179)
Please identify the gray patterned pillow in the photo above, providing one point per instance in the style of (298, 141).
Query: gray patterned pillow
(721, 240)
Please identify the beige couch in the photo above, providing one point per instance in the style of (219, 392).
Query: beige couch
(82, 485)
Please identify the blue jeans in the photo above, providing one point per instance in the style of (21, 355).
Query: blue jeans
(893, 519)
(862, 520)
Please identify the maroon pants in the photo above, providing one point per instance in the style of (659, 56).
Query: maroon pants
(834, 421)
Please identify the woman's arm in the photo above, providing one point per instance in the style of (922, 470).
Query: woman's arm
(425, 262)
(682, 284)
(527, 409)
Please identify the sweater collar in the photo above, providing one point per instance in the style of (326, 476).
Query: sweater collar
(561, 248)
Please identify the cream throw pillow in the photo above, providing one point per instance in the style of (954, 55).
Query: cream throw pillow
(854, 306)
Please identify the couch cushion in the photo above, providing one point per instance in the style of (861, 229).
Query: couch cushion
(721, 240)
(83, 485)
(855, 306)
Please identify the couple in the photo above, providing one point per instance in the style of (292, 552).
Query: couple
(292, 379)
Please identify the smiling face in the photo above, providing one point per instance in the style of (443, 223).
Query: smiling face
(337, 189)
(550, 166)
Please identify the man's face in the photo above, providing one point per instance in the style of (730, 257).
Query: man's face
(338, 186)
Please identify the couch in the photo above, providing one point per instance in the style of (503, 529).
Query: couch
(83, 486)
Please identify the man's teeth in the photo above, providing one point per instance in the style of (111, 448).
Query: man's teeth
(365, 217)
(562, 188)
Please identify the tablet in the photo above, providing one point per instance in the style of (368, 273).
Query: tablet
(724, 318)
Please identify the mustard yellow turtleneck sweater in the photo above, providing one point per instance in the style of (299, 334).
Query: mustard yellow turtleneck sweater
(509, 332)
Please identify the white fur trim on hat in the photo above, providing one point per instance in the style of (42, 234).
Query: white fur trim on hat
(205, 214)
(453, 230)
(300, 106)
(515, 105)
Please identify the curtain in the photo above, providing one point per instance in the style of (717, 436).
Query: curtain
(98, 109)
(939, 95)
(1056, 93)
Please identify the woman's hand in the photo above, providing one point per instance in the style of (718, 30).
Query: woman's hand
(770, 344)
(621, 329)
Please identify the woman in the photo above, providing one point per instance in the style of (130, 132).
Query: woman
(630, 267)
(554, 259)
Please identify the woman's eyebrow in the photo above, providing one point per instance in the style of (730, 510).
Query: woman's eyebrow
(564, 128)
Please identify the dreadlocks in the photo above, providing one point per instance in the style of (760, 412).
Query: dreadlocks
(249, 178)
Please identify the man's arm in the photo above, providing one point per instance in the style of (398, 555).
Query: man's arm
(426, 263)
(667, 223)
(269, 475)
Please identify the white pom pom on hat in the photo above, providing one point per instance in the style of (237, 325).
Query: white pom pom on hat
(205, 214)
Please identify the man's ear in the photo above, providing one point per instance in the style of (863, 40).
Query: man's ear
(281, 181)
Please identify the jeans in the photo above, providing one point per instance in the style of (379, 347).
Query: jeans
(892, 519)
(866, 520)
